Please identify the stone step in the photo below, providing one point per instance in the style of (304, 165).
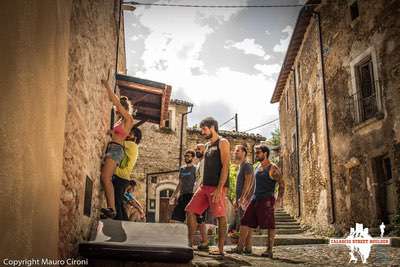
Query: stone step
(287, 226)
(285, 220)
(287, 223)
(282, 231)
(288, 240)
(283, 217)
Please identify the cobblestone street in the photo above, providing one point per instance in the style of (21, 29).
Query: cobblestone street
(307, 255)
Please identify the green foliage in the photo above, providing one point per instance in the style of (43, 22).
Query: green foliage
(233, 169)
(275, 140)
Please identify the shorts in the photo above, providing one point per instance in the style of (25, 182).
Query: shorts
(202, 200)
(179, 213)
(115, 151)
(260, 213)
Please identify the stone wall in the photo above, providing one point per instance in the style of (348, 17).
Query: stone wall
(92, 53)
(376, 29)
(34, 72)
(234, 138)
(159, 152)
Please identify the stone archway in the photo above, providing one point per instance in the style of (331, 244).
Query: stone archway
(161, 188)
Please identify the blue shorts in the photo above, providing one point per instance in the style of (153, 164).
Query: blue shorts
(115, 152)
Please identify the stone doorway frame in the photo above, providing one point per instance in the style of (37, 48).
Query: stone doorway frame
(160, 187)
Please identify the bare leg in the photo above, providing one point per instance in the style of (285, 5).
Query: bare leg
(192, 225)
(244, 231)
(107, 172)
(248, 243)
(271, 239)
(203, 233)
(221, 233)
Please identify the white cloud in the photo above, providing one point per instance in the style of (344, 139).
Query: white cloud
(283, 43)
(268, 69)
(172, 52)
(249, 47)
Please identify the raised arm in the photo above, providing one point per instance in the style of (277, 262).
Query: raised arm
(115, 100)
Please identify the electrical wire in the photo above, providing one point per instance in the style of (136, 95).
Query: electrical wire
(262, 125)
(218, 6)
(226, 122)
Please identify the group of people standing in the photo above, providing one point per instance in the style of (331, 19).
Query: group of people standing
(202, 190)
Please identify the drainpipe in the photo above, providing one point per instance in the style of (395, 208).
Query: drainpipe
(297, 145)
(181, 140)
(332, 217)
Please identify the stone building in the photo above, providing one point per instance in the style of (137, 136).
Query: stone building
(55, 115)
(339, 95)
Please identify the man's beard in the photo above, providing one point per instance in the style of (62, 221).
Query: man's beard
(260, 158)
(188, 161)
(209, 136)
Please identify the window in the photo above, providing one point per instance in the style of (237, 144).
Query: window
(298, 75)
(294, 141)
(153, 179)
(354, 12)
(87, 203)
(170, 123)
(287, 100)
(365, 100)
(166, 193)
(366, 92)
(152, 204)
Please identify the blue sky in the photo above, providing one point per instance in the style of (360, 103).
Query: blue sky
(224, 61)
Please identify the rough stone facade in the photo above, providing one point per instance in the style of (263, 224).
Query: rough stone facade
(92, 53)
(362, 150)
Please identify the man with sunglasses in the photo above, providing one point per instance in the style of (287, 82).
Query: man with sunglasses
(184, 189)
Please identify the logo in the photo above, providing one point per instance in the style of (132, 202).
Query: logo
(360, 242)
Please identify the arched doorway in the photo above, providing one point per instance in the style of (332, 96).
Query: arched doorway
(163, 209)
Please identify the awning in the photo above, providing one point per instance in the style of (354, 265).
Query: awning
(150, 98)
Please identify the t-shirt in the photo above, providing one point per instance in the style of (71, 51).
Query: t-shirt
(199, 174)
(244, 168)
(131, 151)
(187, 177)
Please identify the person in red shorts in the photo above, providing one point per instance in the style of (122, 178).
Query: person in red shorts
(212, 192)
(260, 212)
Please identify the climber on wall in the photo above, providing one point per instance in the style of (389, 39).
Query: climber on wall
(115, 148)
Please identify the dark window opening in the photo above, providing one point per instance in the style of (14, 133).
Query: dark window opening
(354, 10)
(383, 173)
(153, 179)
(166, 193)
(87, 204)
(366, 90)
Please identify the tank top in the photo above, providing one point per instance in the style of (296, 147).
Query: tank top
(212, 165)
(265, 185)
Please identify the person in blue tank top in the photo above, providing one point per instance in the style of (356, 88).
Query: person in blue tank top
(260, 212)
